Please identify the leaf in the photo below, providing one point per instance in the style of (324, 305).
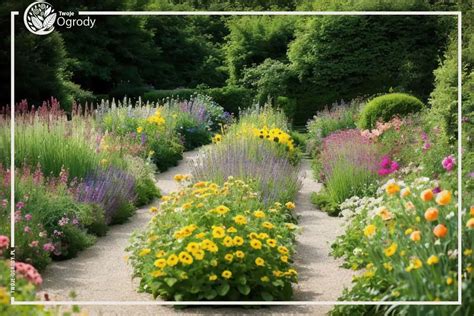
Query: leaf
(48, 11)
(244, 289)
(49, 21)
(223, 289)
(36, 22)
(210, 295)
(178, 297)
(171, 281)
(242, 280)
(267, 296)
(278, 283)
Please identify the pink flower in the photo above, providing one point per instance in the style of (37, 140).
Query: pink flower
(34, 243)
(49, 247)
(4, 242)
(28, 217)
(448, 163)
(27, 229)
(28, 272)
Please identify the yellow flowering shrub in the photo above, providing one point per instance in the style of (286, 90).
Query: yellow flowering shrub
(216, 242)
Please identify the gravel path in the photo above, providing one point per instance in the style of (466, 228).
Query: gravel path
(101, 273)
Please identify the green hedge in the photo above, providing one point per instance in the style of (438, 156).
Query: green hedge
(387, 106)
(231, 98)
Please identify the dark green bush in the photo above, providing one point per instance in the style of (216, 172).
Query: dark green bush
(98, 227)
(146, 191)
(324, 202)
(161, 95)
(167, 153)
(299, 139)
(122, 214)
(231, 98)
(387, 106)
(127, 90)
(193, 133)
(288, 105)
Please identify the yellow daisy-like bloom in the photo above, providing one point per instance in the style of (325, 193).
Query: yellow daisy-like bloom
(172, 260)
(201, 235)
(369, 230)
(449, 281)
(229, 257)
(290, 205)
(214, 263)
(277, 273)
(388, 266)
(206, 243)
(213, 248)
(416, 263)
(239, 254)
(408, 231)
(178, 177)
(284, 259)
(267, 225)
(212, 277)
(160, 263)
(153, 209)
(253, 235)
(259, 262)
(240, 219)
(231, 229)
(292, 272)
(432, 260)
(238, 241)
(221, 209)
(283, 250)
(157, 273)
(139, 129)
(467, 252)
(256, 244)
(186, 206)
(160, 254)
(259, 214)
(262, 236)
(144, 252)
(392, 188)
(390, 251)
(185, 258)
(218, 232)
(228, 241)
(226, 274)
(265, 279)
(193, 246)
(198, 254)
(272, 243)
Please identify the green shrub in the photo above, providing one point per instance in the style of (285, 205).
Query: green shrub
(167, 152)
(160, 96)
(299, 139)
(231, 98)
(387, 106)
(228, 246)
(124, 211)
(99, 226)
(325, 203)
(287, 104)
(194, 133)
(146, 191)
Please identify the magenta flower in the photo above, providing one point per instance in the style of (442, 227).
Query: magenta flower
(387, 166)
(28, 217)
(448, 163)
(49, 247)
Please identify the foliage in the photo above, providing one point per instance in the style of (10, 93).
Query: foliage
(387, 106)
(212, 242)
(143, 171)
(232, 98)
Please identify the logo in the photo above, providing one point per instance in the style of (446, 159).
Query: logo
(39, 18)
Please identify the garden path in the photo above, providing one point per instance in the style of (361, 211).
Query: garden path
(101, 272)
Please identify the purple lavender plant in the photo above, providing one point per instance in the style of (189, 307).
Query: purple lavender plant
(110, 188)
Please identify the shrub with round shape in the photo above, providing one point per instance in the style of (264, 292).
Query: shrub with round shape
(387, 106)
(212, 242)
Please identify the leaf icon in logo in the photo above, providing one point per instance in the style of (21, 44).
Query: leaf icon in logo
(36, 22)
(48, 11)
(49, 21)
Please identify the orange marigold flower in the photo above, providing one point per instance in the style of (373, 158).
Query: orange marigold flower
(431, 214)
(427, 195)
(392, 188)
(470, 223)
(440, 231)
(416, 235)
(443, 197)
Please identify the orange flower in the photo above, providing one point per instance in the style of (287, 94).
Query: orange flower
(416, 235)
(392, 188)
(443, 197)
(471, 211)
(431, 214)
(440, 231)
(470, 223)
(427, 195)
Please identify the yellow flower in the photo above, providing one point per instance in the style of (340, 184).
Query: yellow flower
(262, 236)
(160, 263)
(229, 257)
(277, 273)
(416, 263)
(265, 279)
(103, 162)
(467, 252)
(432, 260)
(408, 231)
(198, 254)
(139, 129)
(259, 214)
(259, 262)
(238, 241)
(153, 209)
(160, 254)
(267, 225)
(217, 138)
(201, 235)
(218, 232)
(284, 259)
(185, 257)
(271, 242)
(178, 177)
(228, 241)
(253, 235)
(470, 223)
(449, 281)
(186, 206)
(231, 229)
(213, 248)
(392, 188)
(157, 273)
(283, 250)
(144, 252)
(172, 260)
(390, 251)
(239, 254)
(226, 274)
(241, 220)
(212, 277)
(405, 192)
(443, 197)
(369, 230)
(256, 244)
(193, 246)
(221, 209)
(290, 205)
(388, 266)
(214, 262)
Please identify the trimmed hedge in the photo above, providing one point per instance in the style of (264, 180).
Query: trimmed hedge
(231, 98)
(387, 106)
